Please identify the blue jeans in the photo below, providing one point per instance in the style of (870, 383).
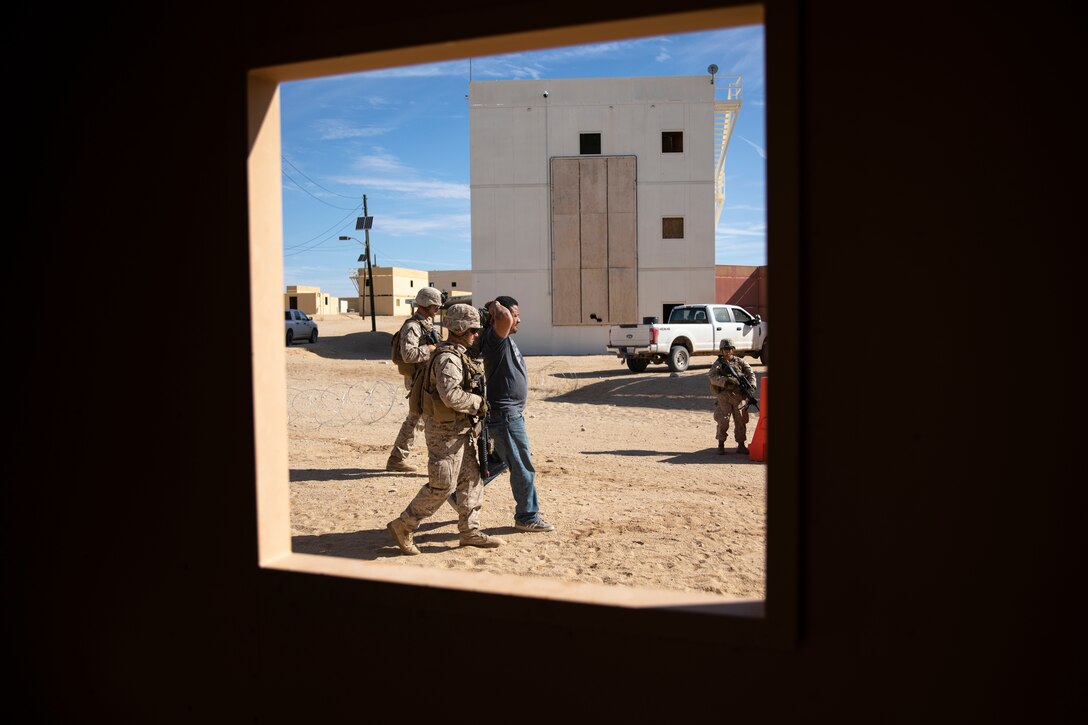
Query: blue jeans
(507, 429)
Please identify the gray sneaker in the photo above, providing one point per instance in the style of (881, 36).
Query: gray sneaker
(403, 536)
(478, 538)
(538, 525)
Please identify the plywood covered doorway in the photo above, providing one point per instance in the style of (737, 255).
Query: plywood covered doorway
(594, 240)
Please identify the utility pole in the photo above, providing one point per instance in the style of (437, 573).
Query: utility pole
(369, 270)
(365, 222)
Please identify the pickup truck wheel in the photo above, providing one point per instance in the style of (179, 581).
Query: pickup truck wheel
(637, 364)
(763, 353)
(290, 337)
(678, 359)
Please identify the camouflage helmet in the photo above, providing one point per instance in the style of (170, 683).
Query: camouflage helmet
(428, 296)
(726, 345)
(461, 318)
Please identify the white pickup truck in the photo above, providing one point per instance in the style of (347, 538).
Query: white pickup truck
(691, 330)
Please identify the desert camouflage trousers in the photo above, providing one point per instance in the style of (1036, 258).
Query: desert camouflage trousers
(406, 438)
(731, 406)
(451, 465)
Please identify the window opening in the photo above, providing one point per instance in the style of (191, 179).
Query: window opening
(672, 227)
(272, 523)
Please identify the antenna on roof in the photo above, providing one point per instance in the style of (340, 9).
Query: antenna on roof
(712, 69)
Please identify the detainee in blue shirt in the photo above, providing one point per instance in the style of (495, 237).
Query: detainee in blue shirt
(507, 393)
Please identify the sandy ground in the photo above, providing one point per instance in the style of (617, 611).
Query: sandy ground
(627, 470)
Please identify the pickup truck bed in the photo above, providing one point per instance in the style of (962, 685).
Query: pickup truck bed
(693, 329)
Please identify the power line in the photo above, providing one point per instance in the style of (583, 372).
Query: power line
(319, 186)
(307, 191)
(333, 230)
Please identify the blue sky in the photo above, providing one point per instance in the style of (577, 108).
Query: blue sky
(400, 136)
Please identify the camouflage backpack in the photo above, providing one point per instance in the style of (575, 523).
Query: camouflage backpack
(405, 368)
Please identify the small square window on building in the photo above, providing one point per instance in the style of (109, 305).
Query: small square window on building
(672, 142)
(589, 143)
(453, 284)
(672, 227)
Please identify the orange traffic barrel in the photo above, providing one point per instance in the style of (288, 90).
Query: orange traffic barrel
(757, 449)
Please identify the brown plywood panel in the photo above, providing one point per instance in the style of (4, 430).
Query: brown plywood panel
(622, 240)
(594, 240)
(594, 295)
(623, 295)
(565, 186)
(566, 297)
(621, 184)
(593, 186)
(566, 249)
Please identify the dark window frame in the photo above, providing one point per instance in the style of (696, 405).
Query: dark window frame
(591, 139)
(672, 142)
(668, 231)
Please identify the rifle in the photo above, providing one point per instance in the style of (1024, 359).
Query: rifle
(753, 401)
(431, 337)
(490, 464)
(479, 386)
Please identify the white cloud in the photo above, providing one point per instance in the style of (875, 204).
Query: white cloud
(331, 129)
(426, 70)
(759, 149)
(758, 230)
(383, 171)
(381, 162)
(412, 226)
(429, 188)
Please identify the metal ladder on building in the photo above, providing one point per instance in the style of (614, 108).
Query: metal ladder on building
(725, 118)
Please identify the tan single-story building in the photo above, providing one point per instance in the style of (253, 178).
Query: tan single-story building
(310, 300)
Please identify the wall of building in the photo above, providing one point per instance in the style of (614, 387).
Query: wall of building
(395, 290)
(451, 280)
(515, 131)
(936, 578)
(310, 300)
(743, 285)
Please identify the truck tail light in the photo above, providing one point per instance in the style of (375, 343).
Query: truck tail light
(653, 335)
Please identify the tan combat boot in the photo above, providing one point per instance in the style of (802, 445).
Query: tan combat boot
(399, 466)
(478, 538)
(403, 536)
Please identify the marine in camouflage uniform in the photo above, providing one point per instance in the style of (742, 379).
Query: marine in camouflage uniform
(453, 412)
(414, 351)
(731, 403)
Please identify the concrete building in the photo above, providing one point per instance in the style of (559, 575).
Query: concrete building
(594, 201)
(395, 290)
(310, 300)
(457, 282)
